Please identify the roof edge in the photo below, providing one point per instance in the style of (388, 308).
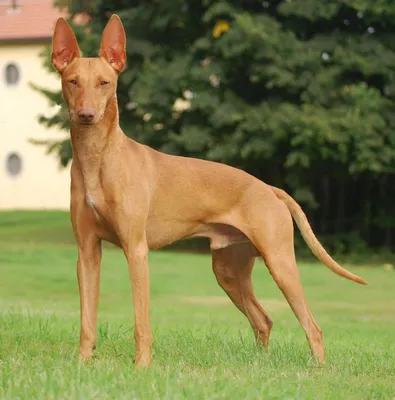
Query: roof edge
(30, 40)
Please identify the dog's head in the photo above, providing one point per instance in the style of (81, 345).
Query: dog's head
(88, 84)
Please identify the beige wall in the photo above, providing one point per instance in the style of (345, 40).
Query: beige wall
(41, 184)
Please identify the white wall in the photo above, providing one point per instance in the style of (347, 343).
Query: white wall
(41, 183)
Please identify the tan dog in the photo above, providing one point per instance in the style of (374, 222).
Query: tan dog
(141, 199)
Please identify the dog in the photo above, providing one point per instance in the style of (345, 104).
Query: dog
(137, 198)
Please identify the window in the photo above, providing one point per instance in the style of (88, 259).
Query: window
(11, 74)
(13, 7)
(13, 164)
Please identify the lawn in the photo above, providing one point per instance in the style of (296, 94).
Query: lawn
(203, 346)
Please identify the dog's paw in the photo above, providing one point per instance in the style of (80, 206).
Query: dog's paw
(316, 362)
(86, 355)
(142, 361)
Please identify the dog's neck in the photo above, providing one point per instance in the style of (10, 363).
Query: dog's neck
(92, 144)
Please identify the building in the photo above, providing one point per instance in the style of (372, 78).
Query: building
(29, 179)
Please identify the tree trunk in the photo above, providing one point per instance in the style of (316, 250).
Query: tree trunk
(325, 204)
(340, 211)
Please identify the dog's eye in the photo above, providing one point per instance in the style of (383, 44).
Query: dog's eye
(104, 83)
(73, 81)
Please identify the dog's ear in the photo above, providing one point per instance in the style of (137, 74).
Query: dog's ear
(113, 44)
(64, 46)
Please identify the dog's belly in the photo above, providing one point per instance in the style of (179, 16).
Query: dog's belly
(220, 235)
(163, 233)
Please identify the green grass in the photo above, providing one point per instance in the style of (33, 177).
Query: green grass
(203, 346)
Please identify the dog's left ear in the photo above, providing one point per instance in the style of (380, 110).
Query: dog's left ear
(113, 44)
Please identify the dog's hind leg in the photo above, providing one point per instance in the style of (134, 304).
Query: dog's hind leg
(232, 267)
(273, 236)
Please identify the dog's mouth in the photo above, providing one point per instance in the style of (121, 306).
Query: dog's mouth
(82, 122)
(86, 123)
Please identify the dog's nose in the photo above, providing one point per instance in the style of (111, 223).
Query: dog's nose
(86, 114)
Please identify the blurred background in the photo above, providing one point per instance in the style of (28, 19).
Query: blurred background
(300, 93)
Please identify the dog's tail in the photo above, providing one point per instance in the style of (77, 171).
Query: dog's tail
(310, 238)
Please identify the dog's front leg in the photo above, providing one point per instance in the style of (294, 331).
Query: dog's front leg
(88, 272)
(137, 256)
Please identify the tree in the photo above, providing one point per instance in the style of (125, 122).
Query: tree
(299, 93)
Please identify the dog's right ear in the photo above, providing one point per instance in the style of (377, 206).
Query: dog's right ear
(64, 46)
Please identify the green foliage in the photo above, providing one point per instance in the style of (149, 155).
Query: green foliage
(299, 93)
